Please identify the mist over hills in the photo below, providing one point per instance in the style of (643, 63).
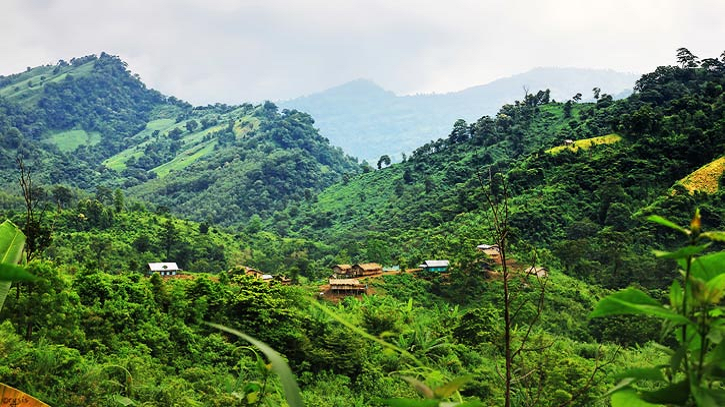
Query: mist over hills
(368, 121)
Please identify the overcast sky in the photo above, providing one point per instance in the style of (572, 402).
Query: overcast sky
(233, 51)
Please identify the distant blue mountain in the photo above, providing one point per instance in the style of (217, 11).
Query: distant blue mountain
(368, 121)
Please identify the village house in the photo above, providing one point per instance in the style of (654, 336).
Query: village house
(438, 266)
(341, 270)
(164, 269)
(258, 274)
(347, 286)
(265, 277)
(357, 270)
(366, 269)
(284, 280)
(492, 251)
(537, 271)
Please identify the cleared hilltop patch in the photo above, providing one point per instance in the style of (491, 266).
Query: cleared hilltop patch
(706, 178)
(586, 144)
(69, 140)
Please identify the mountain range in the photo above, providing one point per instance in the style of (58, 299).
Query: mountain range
(368, 121)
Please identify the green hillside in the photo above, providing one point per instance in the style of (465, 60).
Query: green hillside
(70, 140)
(91, 122)
(576, 204)
(27, 87)
(224, 189)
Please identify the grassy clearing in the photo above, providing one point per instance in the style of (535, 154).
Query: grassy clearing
(184, 159)
(586, 144)
(706, 178)
(72, 139)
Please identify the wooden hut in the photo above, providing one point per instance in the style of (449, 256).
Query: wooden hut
(491, 251)
(537, 271)
(347, 286)
(341, 270)
(366, 269)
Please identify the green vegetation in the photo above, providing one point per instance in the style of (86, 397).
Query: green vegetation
(72, 139)
(218, 189)
(693, 372)
(217, 163)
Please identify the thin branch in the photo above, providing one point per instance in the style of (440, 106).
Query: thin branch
(590, 381)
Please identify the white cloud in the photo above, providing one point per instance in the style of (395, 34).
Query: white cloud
(234, 51)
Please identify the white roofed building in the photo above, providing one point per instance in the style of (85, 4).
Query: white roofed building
(164, 269)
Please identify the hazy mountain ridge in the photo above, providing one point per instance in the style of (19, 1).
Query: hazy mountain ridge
(368, 121)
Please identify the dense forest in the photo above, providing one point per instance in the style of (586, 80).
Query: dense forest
(568, 187)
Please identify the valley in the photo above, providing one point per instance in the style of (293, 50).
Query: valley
(616, 198)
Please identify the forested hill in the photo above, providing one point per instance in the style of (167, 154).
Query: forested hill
(90, 122)
(582, 204)
(97, 95)
(368, 121)
(578, 179)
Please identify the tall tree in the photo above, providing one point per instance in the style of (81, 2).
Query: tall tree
(384, 160)
(169, 238)
(686, 59)
(596, 90)
(37, 233)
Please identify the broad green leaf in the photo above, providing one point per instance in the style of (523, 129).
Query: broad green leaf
(664, 222)
(716, 356)
(715, 336)
(682, 253)
(675, 295)
(677, 357)
(629, 398)
(419, 386)
(12, 241)
(451, 387)
(662, 348)
(676, 393)
(645, 373)
(716, 288)
(11, 272)
(464, 404)
(623, 384)
(635, 302)
(279, 366)
(715, 236)
(708, 397)
(706, 267)
(410, 403)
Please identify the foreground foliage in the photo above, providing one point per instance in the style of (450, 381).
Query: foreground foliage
(694, 318)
